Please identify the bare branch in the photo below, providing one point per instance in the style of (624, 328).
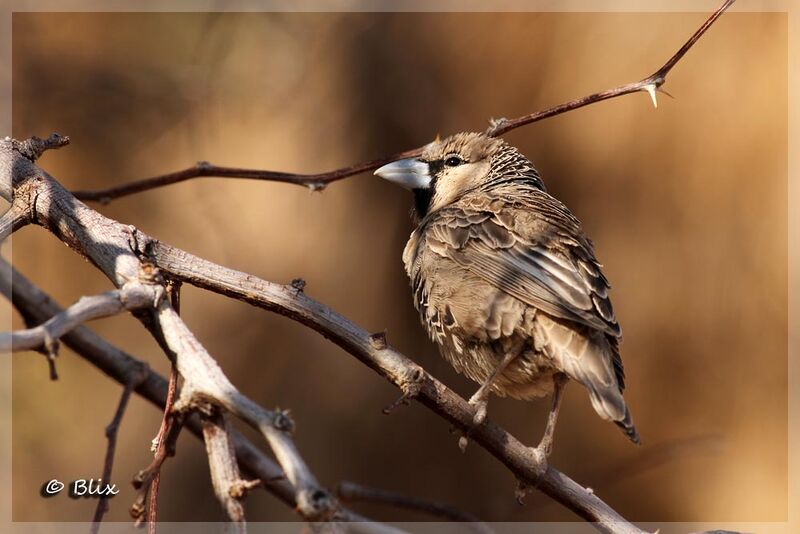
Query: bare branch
(204, 381)
(116, 250)
(315, 182)
(31, 302)
(352, 492)
(162, 446)
(145, 480)
(111, 434)
(225, 476)
(132, 296)
(318, 181)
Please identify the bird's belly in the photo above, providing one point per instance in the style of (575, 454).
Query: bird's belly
(476, 325)
(528, 376)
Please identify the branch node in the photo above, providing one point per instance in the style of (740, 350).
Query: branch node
(240, 488)
(51, 346)
(410, 383)
(282, 420)
(317, 504)
(33, 148)
(495, 125)
(378, 340)
(315, 187)
(298, 284)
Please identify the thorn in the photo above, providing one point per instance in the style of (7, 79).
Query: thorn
(522, 490)
(660, 90)
(462, 443)
(239, 488)
(402, 401)
(651, 90)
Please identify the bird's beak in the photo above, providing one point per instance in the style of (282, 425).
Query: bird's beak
(411, 173)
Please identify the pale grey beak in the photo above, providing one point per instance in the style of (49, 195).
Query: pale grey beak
(411, 173)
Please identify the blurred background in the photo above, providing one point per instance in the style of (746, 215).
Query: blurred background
(686, 204)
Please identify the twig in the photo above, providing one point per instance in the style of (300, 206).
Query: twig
(225, 477)
(134, 380)
(144, 479)
(650, 84)
(318, 181)
(132, 296)
(315, 182)
(352, 492)
(167, 422)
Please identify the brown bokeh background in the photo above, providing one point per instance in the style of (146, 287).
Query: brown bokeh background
(686, 205)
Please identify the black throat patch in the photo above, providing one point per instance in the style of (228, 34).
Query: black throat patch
(422, 201)
(423, 197)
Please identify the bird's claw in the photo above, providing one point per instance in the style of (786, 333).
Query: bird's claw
(481, 407)
(540, 455)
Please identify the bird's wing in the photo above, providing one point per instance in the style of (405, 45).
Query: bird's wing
(532, 248)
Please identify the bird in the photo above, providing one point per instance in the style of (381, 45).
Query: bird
(506, 282)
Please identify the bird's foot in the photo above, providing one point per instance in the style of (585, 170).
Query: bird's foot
(546, 446)
(481, 406)
(540, 458)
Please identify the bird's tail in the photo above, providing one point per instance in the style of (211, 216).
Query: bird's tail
(591, 359)
(605, 393)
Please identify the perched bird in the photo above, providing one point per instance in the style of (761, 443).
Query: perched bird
(506, 281)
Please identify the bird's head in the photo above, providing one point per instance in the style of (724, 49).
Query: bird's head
(450, 167)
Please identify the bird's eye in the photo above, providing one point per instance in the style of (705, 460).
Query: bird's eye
(453, 161)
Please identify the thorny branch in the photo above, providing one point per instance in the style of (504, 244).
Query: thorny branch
(319, 181)
(127, 256)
